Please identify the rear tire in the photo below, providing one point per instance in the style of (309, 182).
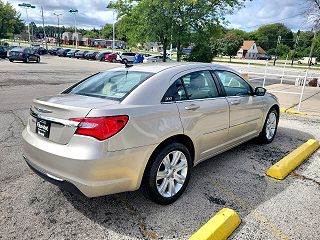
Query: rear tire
(38, 59)
(168, 175)
(113, 60)
(11, 60)
(27, 60)
(270, 127)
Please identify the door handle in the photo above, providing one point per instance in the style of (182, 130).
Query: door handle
(191, 107)
(235, 102)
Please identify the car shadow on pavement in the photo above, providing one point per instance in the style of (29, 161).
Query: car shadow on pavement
(235, 179)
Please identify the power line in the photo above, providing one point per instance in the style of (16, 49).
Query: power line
(276, 21)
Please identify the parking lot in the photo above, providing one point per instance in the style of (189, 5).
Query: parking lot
(34, 209)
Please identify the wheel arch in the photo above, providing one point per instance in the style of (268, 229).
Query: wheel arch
(180, 138)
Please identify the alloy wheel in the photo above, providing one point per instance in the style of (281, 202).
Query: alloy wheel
(271, 125)
(172, 173)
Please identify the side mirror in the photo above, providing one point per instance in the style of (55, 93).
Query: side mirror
(260, 91)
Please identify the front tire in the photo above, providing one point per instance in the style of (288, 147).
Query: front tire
(38, 59)
(270, 127)
(168, 174)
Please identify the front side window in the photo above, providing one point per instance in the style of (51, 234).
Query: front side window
(233, 84)
(115, 85)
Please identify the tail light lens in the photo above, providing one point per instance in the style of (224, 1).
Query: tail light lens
(100, 128)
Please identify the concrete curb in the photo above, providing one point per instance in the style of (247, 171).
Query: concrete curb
(219, 227)
(287, 164)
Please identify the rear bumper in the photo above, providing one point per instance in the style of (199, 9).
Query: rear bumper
(85, 165)
(54, 180)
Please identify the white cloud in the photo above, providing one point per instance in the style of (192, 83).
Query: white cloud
(93, 13)
(259, 12)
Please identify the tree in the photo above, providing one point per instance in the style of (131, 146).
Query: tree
(201, 53)
(10, 22)
(172, 21)
(230, 44)
(267, 36)
(313, 13)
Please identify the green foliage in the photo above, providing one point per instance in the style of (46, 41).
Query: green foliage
(242, 34)
(267, 36)
(283, 50)
(230, 44)
(10, 22)
(201, 53)
(181, 22)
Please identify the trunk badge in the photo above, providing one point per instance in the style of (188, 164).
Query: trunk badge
(42, 110)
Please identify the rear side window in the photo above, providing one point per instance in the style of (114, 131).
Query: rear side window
(200, 85)
(175, 92)
(195, 85)
(115, 85)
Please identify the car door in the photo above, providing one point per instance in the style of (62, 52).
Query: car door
(246, 110)
(32, 55)
(203, 111)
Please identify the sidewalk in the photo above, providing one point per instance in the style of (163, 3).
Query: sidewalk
(310, 102)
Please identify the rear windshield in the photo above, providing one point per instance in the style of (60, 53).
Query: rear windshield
(115, 85)
(17, 49)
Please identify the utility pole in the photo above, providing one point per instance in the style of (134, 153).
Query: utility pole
(58, 15)
(295, 46)
(113, 32)
(278, 42)
(44, 30)
(312, 47)
(74, 11)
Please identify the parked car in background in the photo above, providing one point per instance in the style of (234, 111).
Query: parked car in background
(264, 57)
(23, 54)
(63, 52)
(40, 50)
(3, 52)
(72, 53)
(80, 54)
(53, 51)
(102, 55)
(155, 58)
(91, 55)
(127, 57)
(111, 57)
(138, 58)
(147, 125)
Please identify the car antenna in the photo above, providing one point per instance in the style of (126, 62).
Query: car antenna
(125, 62)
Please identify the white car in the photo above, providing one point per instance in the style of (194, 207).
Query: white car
(155, 58)
(126, 57)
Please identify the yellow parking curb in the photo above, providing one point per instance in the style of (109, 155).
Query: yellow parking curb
(219, 227)
(289, 111)
(287, 164)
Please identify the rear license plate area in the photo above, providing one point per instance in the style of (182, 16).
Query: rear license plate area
(43, 127)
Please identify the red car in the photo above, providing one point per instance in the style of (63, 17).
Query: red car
(112, 57)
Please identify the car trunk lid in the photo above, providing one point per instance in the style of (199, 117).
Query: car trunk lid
(50, 115)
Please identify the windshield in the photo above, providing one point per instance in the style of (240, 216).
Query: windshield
(115, 85)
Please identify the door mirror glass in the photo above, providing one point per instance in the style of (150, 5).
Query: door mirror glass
(260, 91)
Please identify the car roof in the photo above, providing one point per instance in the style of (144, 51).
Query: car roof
(158, 67)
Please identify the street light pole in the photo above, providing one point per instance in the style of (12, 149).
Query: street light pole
(74, 11)
(26, 6)
(113, 32)
(58, 15)
(44, 30)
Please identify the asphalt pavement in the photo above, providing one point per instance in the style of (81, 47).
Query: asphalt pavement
(34, 209)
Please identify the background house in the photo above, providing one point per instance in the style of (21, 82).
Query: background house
(250, 50)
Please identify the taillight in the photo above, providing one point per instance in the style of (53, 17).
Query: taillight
(100, 128)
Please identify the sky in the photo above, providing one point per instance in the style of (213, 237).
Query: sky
(93, 13)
